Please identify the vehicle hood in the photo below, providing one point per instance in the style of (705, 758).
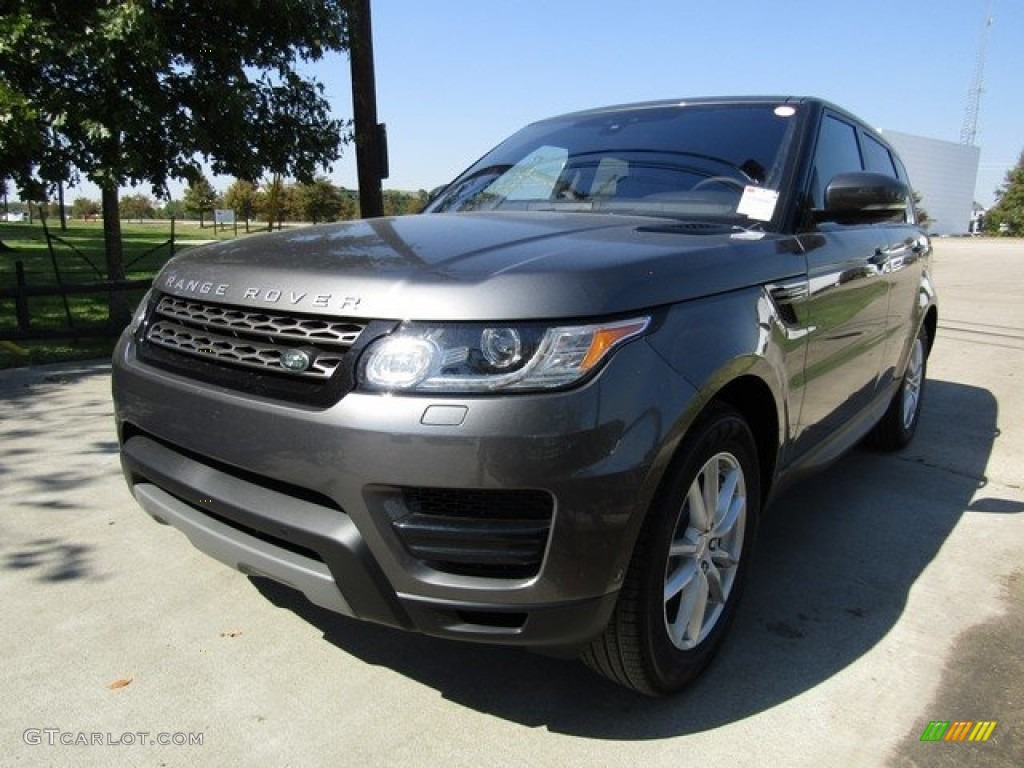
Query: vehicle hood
(481, 266)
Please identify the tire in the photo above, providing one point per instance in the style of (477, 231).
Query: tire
(898, 426)
(687, 572)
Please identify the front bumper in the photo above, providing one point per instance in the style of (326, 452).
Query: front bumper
(327, 500)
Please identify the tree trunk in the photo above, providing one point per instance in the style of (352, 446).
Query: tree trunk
(273, 202)
(60, 204)
(120, 315)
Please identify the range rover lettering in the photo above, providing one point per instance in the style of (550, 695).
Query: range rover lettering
(550, 410)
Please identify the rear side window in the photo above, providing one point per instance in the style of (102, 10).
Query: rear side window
(836, 153)
(877, 158)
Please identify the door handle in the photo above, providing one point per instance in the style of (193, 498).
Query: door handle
(893, 256)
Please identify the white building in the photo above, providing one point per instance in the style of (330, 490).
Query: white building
(943, 173)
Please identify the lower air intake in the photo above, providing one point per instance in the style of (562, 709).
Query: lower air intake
(489, 534)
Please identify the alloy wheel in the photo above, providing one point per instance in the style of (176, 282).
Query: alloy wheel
(705, 551)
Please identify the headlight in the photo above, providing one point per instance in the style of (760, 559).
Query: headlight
(140, 313)
(463, 357)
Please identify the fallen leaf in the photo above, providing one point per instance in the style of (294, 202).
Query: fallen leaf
(121, 682)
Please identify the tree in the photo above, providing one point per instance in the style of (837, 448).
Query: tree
(1007, 215)
(922, 215)
(200, 197)
(84, 208)
(241, 197)
(273, 201)
(291, 203)
(320, 201)
(54, 210)
(123, 92)
(3, 194)
(171, 209)
(349, 205)
(397, 203)
(137, 206)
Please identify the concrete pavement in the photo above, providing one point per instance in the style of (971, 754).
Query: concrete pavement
(887, 593)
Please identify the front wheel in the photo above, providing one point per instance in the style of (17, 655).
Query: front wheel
(690, 560)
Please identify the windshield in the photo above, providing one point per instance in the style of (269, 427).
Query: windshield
(707, 161)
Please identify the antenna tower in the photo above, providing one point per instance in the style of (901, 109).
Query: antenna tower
(969, 129)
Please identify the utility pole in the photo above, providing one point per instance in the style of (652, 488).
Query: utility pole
(371, 152)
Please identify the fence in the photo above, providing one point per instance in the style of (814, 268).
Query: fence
(71, 328)
(23, 291)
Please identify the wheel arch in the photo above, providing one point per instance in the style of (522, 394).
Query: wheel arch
(931, 324)
(753, 399)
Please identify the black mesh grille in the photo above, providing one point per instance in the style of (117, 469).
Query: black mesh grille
(241, 348)
(240, 337)
(492, 534)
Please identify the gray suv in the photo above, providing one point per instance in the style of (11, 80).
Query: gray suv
(549, 410)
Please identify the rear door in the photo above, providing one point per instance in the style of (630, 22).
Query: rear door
(902, 262)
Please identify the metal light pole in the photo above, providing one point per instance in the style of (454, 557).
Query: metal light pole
(371, 152)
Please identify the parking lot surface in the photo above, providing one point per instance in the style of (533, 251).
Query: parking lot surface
(887, 592)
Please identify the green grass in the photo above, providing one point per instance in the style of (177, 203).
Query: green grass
(80, 258)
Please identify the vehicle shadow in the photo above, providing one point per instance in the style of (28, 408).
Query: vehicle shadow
(836, 560)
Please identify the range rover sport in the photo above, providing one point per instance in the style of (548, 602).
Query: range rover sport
(549, 410)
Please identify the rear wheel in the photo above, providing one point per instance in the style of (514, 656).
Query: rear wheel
(689, 564)
(899, 424)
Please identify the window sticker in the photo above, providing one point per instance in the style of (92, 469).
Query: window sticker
(758, 203)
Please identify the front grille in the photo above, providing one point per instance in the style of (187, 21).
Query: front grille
(250, 339)
(241, 348)
(491, 534)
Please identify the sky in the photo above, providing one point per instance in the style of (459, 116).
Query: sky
(456, 77)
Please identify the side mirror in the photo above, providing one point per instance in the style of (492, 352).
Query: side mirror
(864, 198)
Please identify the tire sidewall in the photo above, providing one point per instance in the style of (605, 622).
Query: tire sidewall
(720, 430)
(907, 432)
(891, 434)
